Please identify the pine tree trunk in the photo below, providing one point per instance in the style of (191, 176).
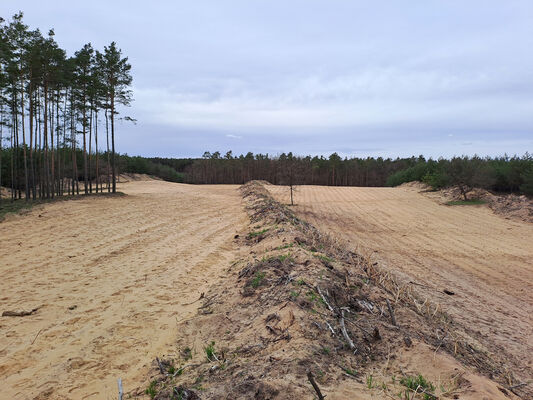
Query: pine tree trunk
(113, 166)
(90, 142)
(96, 148)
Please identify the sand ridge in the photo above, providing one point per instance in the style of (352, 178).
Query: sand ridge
(485, 259)
(112, 276)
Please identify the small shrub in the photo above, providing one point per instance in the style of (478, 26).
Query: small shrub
(151, 390)
(258, 279)
(418, 382)
(210, 351)
(257, 233)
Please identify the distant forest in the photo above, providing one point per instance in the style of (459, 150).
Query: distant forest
(500, 174)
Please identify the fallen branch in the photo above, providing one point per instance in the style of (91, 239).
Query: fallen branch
(160, 366)
(391, 313)
(345, 333)
(19, 313)
(315, 386)
(35, 338)
(192, 302)
(324, 299)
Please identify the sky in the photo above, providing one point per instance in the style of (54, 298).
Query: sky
(360, 78)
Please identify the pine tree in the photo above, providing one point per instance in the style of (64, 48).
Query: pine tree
(116, 72)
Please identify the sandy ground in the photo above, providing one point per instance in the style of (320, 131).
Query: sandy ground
(112, 277)
(486, 260)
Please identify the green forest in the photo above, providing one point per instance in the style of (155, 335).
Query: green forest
(499, 174)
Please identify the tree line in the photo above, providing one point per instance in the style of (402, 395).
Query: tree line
(499, 174)
(51, 108)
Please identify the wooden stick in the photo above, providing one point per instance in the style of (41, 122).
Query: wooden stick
(160, 366)
(35, 338)
(120, 391)
(324, 299)
(391, 312)
(315, 386)
(345, 333)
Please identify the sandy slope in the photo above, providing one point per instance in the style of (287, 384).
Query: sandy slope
(485, 259)
(111, 276)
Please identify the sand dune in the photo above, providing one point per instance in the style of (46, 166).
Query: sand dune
(486, 260)
(111, 277)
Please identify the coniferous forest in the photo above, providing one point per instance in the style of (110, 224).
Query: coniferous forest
(58, 114)
(500, 174)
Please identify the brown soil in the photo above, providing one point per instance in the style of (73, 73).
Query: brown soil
(112, 278)
(483, 259)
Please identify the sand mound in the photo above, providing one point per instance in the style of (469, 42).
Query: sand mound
(131, 177)
(510, 206)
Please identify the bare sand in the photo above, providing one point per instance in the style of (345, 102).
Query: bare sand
(485, 259)
(112, 277)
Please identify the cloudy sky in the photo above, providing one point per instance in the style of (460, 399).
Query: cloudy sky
(364, 78)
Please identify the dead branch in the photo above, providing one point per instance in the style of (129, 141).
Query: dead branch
(345, 333)
(324, 299)
(160, 366)
(315, 386)
(35, 338)
(391, 313)
(19, 313)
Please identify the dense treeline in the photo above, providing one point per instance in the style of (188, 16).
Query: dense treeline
(500, 174)
(333, 170)
(505, 174)
(51, 109)
(152, 166)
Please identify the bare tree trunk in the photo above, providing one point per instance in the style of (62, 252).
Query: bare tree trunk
(108, 163)
(96, 148)
(90, 143)
(26, 180)
(113, 142)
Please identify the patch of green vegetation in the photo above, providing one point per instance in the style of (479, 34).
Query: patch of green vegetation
(287, 246)
(151, 390)
(472, 202)
(257, 233)
(187, 353)
(286, 257)
(210, 351)
(349, 371)
(300, 282)
(295, 294)
(258, 279)
(198, 383)
(323, 258)
(312, 296)
(370, 381)
(415, 383)
(325, 350)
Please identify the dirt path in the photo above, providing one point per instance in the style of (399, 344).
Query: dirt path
(485, 259)
(112, 276)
